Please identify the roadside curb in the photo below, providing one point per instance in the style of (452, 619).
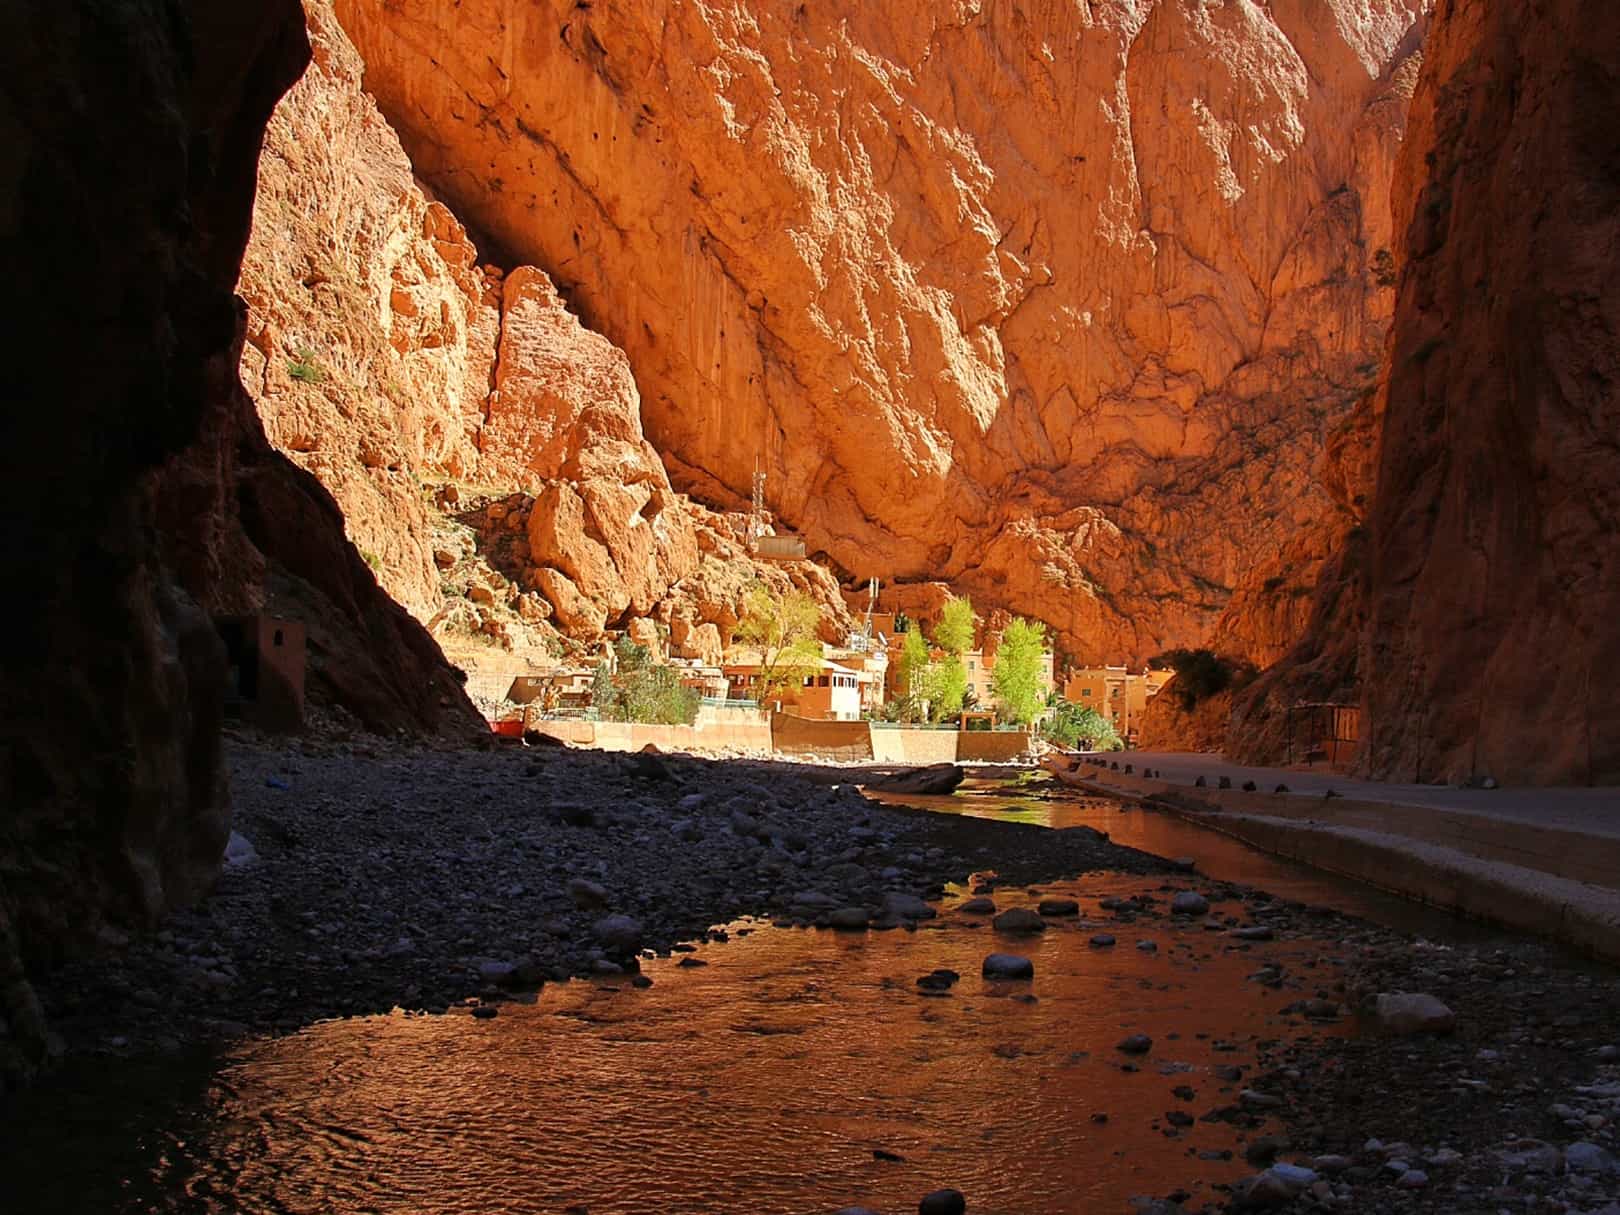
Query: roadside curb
(1479, 882)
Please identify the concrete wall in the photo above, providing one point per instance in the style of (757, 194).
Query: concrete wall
(633, 736)
(834, 739)
(991, 747)
(914, 746)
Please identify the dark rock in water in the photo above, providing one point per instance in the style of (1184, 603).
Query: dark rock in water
(486, 1012)
(1059, 907)
(1225, 782)
(1102, 940)
(849, 919)
(939, 980)
(942, 1202)
(1249, 786)
(1280, 789)
(1136, 1044)
(1018, 919)
(1189, 902)
(977, 906)
(1008, 966)
(936, 778)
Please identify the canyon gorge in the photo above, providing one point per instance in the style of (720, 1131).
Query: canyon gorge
(1286, 329)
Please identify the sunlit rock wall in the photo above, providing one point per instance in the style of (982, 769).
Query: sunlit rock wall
(1057, 302)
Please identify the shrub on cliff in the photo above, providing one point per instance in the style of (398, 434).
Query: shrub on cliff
(1200, 674)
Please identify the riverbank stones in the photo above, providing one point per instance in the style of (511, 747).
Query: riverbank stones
(1058, 907)
(977, 906)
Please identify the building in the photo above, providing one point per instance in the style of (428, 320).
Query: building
(1120, 694)
(558, 688)
(832, 692)
(872, 662)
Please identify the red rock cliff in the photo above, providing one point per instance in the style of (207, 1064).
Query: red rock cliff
(1055, 302)
(1492, 582)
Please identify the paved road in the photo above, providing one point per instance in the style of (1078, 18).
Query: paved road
(1595, 811)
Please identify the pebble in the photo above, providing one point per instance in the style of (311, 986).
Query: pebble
(1588, 1158)
(1189, 902)
(849, 919)
(1102, 940)
(1407, 1013)
(1058, 907)
(1136, 1044)
(977, 906)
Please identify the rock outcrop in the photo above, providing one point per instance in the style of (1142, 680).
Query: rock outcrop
(127, 195)
(1492, 578)
(485, 447)
(1168, 726)
(1056, 304)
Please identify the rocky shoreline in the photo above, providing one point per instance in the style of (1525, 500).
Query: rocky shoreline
(386, 876)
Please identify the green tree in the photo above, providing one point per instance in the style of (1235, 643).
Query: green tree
(914, 662)
(604, 696)
(1082, 727)
(1016, 680)
(948, 685)
(783, 628)
(955, 632)
(642, 691)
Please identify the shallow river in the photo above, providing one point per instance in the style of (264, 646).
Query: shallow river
(767, 1081)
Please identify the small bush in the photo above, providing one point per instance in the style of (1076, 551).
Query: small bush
(304, 368)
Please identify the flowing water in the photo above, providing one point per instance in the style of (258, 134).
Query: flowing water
(798, 1071)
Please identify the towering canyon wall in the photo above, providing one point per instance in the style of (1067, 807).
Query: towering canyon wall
(486, 449)
(1492, 581)
(1058, 302)
(125, 198)
(1474, 613)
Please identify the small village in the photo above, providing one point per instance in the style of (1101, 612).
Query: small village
(882, 682)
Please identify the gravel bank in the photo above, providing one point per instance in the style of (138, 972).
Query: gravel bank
(386, 876)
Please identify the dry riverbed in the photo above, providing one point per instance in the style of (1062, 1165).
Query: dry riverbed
(391, 877)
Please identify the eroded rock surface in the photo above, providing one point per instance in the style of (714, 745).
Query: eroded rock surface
(1472, 615)
(1056, 304)
(484, 445)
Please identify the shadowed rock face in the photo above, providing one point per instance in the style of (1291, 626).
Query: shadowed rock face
(1493, 577)
(1475, 614)
(131, 136)
(1057, 303)
(139, 492)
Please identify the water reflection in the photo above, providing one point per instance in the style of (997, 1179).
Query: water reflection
(1038, 800)
(763, 1082)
